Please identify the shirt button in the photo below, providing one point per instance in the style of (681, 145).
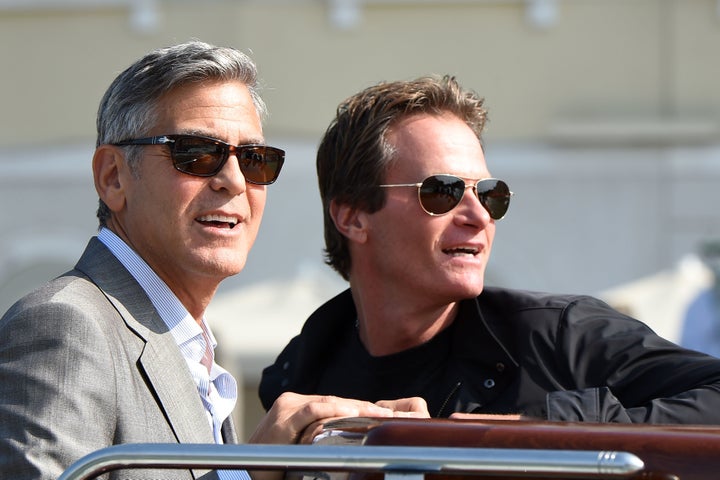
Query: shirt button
(489, 383)
(284, 382)
(500, 367)
(286, 365)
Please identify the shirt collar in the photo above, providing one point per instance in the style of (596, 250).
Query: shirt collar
(181, 324)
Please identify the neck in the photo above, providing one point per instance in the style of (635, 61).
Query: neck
(194, 292)
(387, 324)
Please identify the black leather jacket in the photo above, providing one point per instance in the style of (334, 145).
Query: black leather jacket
(557, 357)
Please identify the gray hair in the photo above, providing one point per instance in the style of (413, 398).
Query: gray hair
(128, 108)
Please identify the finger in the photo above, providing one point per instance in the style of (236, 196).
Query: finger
(413, 406)
(291, 414)
(329, 406)
(312, 431)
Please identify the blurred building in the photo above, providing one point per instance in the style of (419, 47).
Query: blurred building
(605, 121)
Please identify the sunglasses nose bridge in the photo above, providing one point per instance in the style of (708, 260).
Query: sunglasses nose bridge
(476, 198)
(237, 152)
(466, 186)
(230, 150)
(226, 152)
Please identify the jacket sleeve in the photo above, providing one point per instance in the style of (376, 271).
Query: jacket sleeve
(57, 393)
(623, 372)
(276, 377)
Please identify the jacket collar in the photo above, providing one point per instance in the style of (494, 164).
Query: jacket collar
(482, 346)
(160, 359)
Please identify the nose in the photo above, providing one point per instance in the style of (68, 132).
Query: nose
(470, 211)
(230, 178)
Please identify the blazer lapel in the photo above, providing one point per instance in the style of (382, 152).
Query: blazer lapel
(229, 434)
(160, 360)
(168, 374)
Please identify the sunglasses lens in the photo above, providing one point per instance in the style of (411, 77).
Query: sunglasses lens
(197, 156)
(260, 164)
(205, 157)
(441, 193)
(495, 197)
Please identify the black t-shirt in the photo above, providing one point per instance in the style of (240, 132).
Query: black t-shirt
(353, 373)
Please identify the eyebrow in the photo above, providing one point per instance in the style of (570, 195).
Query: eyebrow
(205, 133)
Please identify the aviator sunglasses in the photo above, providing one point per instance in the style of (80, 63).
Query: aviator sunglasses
(438, 194)
(205, 157)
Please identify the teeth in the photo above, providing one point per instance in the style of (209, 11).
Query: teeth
(461, 251)
(232, 221)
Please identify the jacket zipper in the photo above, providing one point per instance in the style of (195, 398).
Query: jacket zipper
(447, 399)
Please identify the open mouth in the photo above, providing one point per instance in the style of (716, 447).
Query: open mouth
(460, 251)
(218, 221)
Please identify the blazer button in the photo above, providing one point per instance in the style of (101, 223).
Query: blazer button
(500, 367)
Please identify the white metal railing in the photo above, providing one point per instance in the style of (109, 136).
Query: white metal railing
(410, 463)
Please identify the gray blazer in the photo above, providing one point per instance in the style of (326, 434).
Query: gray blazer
(86, 362)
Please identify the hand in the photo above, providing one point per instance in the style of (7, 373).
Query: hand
(292, 413)
(413, 407)
(297, 418)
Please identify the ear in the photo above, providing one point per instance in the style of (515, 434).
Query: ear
(349, 221)
(108, 166)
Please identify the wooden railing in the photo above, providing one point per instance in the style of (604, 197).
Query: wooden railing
(667, 452)
(411, 449)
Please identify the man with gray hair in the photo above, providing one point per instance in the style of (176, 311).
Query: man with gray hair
(118, 350)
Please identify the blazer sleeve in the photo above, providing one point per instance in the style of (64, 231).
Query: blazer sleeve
(57, 393)
(624, 372)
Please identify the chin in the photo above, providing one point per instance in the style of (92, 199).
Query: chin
(233, 268)
(462, 291)
(471, 293)
(224, 265)
(471, 289)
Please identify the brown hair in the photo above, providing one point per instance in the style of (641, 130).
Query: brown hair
(354, 155)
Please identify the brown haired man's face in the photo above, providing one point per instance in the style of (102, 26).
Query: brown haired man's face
(434, 258)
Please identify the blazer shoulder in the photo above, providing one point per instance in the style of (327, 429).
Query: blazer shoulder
(68, 306)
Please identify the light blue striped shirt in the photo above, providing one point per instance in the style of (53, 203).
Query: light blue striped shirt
(217, 388)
